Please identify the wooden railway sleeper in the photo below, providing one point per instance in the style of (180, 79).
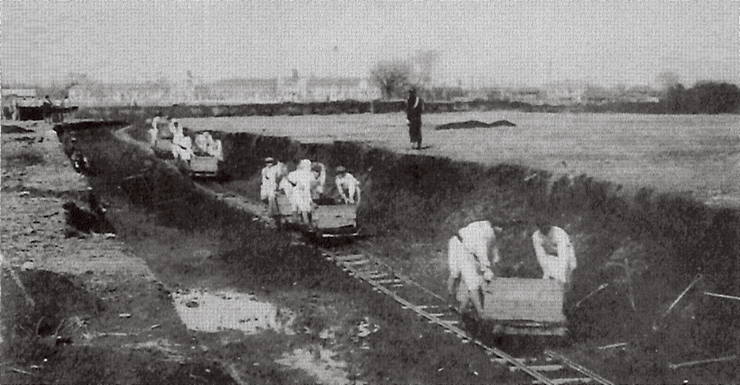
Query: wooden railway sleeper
(564, 381)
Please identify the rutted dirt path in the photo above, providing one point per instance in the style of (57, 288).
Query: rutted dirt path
(162, 302)
(129, 333)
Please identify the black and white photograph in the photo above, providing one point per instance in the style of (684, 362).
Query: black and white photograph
(370, 192)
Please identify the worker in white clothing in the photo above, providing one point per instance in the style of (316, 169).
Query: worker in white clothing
(301, 179)
(154, 131)
(214, 147)
(182, 146)
(271, 175)
(554, 252)
(319, 180)
(347, 186)
(468, 261)
(201, 145)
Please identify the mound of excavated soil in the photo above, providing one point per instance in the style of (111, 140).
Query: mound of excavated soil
(474, 124)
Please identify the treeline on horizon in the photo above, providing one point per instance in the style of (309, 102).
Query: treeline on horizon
(702, 98)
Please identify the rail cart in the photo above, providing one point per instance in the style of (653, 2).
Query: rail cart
(200, 166)
(204, 166)
(525, 306)
(332, 221)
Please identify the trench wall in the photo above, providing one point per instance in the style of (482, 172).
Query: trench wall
(665, 239)
(422, 196)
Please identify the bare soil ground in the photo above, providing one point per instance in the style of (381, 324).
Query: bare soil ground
(118, 304)
(99, 309)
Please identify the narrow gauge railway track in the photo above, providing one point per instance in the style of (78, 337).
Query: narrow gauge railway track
(549, 368)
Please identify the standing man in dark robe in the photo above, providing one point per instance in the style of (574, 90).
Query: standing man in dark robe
(46, 108)
(414, 107)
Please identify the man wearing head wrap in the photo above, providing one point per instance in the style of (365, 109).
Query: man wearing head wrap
(554, 252)
(301, 179)
(319, 180)
(414, 107)
(347, 186)
(201, 144)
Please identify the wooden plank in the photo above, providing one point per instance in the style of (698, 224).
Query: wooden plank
(520, 299)
(356, 263)
(540, 368)
(352, 257)
(563, 381)
(388, 280)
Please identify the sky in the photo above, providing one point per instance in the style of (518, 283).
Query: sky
(500, 43)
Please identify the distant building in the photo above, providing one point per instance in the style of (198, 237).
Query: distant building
(19, 92)
(231, 91)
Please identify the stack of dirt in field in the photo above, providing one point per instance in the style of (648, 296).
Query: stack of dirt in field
(474, 124)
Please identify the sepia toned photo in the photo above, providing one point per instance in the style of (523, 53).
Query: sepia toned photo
(370, 192)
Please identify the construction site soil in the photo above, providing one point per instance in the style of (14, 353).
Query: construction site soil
(101, 309)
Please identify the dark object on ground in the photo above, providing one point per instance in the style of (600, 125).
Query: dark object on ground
(79, 162)
(474, 124)
(9, 129)
(80, 221)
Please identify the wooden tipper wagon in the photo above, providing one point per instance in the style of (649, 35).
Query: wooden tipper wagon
(524, 306)
(329, 221)
(199, 166)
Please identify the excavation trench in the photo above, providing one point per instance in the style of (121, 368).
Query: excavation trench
(646, 248)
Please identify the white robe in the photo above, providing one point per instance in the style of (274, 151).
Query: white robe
(302, 179)
(555, 254)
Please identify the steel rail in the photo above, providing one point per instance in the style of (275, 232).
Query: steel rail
(447, 325)
(353, 264)
(583, 370)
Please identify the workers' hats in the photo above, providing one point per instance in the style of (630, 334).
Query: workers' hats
(270, 160)
(341, 169)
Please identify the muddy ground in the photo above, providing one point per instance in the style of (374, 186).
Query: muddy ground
(135, 299)
(98, 309)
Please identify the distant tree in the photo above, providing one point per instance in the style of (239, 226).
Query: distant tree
(392, 77)
(703, 98)
(716, 98)
(668, 79)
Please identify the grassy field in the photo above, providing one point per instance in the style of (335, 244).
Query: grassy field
(698, 155)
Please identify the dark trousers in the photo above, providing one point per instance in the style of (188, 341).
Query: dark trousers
(415, 131)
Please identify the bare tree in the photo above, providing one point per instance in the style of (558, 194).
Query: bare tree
(392, 77)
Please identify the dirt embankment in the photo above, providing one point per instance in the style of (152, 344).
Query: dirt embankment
(78, 309)
(646, 248)
(191, 240)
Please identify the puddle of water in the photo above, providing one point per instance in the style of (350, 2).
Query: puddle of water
(317, 362)
(214, 312)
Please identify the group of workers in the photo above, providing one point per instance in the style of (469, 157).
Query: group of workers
(49, 108)
(304, 186)
(470, 265)
(183, 147)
